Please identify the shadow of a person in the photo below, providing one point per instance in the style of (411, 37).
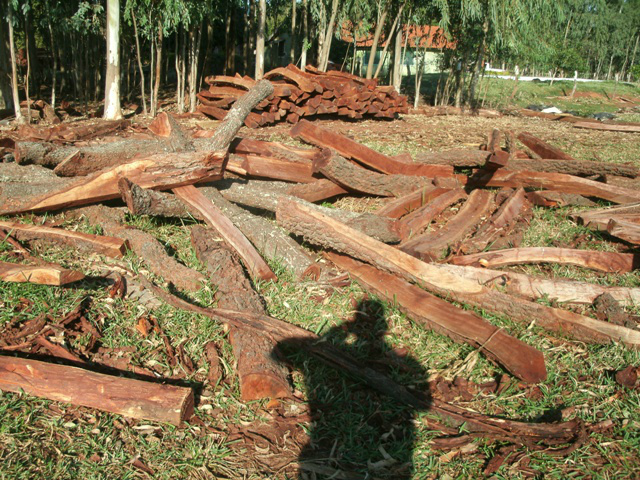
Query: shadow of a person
(356, 433)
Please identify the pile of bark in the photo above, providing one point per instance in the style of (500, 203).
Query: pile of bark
(442, 236)
(300, 94)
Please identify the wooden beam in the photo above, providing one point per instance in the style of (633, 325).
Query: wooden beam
(78, 386)
(542, 148)
(109, 246)
(608, 127)
(320, 189)
(627, 231)
(610, 262)
(254, 263)
(49, 274)
(518, 358)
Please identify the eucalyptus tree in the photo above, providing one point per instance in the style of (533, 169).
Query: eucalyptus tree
(260, 33)
(112, 109)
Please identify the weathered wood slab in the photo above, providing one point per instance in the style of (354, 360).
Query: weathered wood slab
(518, 358)
(77, 386)
(627, 231)
(110, 246)
(320, 189)
(542, 148)
(256, 266)
(40, 274)
(608, 127)
(610, 262)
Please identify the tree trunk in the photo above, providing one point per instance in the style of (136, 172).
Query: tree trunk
(28, 75)
(471, 97)
(54, 57)
(323, 61)
(610, 65)
(292, 53)
(112, 109)
(386, 47)
(152, 56)
(633, 57)
(262, 16)
(397, 61)
(305, 34)
(376, 39)
(194, 55)
(6, 98)
(226, 70)
(158, 75)
(14, 68)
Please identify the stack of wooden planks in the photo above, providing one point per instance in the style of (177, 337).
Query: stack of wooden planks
(304, 94)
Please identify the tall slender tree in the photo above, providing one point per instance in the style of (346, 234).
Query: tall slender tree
(112, 109)
(262, 20)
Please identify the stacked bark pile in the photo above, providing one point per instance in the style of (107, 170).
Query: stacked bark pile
(300, 94)
(416, 251)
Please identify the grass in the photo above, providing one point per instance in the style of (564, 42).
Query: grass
(43, 439)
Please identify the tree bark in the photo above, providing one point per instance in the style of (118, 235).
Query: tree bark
(323, 61)
(305, 35)
(262, 16)
(158, 69)
(397, 60)
(14, 68)
(292, 53)
(112, 109)
(6, 98)
(376, 38)
(388, 42)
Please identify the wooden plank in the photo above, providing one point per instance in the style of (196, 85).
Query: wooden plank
(110, 246)
(400, 206)
(608, 127)
(237, 82)
(610, 262)
(254, 263)
(542, 148)
(554, 181)
(346, 147)
(305, 84)
(49, 274)
(517, 357)
(316, 191)
(420, 218)
(430, 245)
(77, 386)
(329, 233)
(277, 168)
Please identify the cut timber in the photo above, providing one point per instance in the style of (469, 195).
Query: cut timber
(346, 147)
(520, 359)
(156, 171)
(502, 221)
(420, 218)
(259, 374)
(110, 246)
(554, 181)
(358, 179)
(542, 148)
(318, 190)
(581, 168)
(71, 132)
(534, 288)
(322, 230)
(599, 218)
(547, 198)
(608, 126)
(149, 202)
(300, 171)
(430, 245)
(77, 386)
(497, 429)
(304, 83)
(40, 274)
(400, 206)
(455, 158)
(627, 231)
(214, 217)
(610, 262)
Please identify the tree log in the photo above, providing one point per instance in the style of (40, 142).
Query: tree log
(260, 375)
(322, 230)
(400, 206)
(542, 148)
(610, 262)
(110, 246)
(256, 266)
(580, 168)
(608, 127)
(49, 274)
(554, 181)
(627, 231)
(316, 191)
(455, 158)
(346, 147)
(520, 359)
(77, 386)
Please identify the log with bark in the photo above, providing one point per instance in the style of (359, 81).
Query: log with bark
(627, 231)
(322, 230)
(542, 148)
(428, 310)
(455, 158)
(348, 148)
(609, 262)
(259, 374)
(318, 190)
(78, 386)
(610, 127)
(580, 168)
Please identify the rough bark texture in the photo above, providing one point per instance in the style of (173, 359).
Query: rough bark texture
(581, 168)
(432, 244)
(110, 246)
(20, 184)
(321, 230)
(455, 158)
(260, 375)
(520, 359)
(49, 274)
(255, 264)
(145, 246)
(149, 202)
(358, 179)
(77, 386)
(610, 262)
(349, 148)
(554, 181)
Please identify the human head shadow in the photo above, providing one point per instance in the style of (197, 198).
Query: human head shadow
(355, 430)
